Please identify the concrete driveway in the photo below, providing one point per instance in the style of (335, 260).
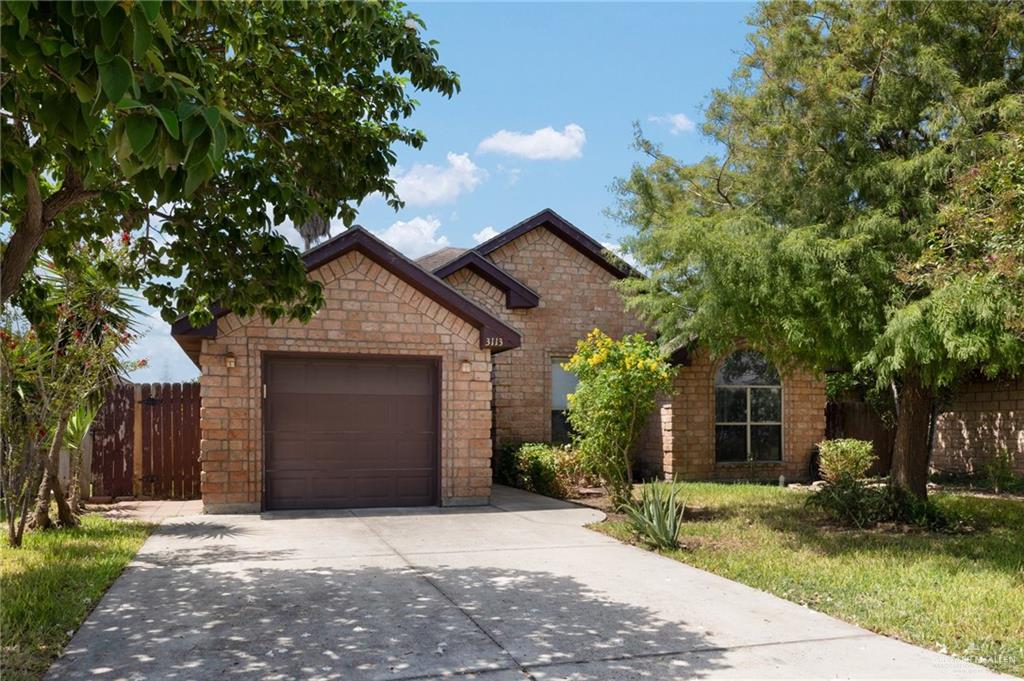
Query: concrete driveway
(518, 590)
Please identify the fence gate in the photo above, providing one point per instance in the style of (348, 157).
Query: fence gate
(146, 442)
(168, 417)
(113, 436)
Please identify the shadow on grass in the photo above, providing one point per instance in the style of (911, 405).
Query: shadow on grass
(995, 539)
(52, 582)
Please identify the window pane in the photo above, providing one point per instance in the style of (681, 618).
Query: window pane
(746, 367)
(560, 430)
(730, 443)
(766, 443)
(562, 383)
(731, 405)
(765, 404)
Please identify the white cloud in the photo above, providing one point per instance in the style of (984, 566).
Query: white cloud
(544, 144)
(484, 234)
(676, 123)
(426, 183)
(414, 237)
(511, 175)
(166, 362)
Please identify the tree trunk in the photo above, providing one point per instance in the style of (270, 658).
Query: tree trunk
(23, 243)
(75, 485)
(37, 218)
(51, 484)
(910, 451)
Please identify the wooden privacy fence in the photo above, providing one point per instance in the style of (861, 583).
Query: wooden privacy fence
(146, 442)
(848, 418)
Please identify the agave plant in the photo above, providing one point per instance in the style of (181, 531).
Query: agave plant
(657, 517)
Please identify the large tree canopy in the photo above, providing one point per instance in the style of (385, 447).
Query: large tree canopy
(866, 211)
(200, 125)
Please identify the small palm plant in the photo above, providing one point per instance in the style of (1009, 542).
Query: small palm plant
(657, 517)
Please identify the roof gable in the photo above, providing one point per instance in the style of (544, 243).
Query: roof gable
(517, 294)
(567, 232)
(360, 240)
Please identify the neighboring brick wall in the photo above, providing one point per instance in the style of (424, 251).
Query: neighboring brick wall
(688, 427)
(368, 310)
(984, 418)
(576, 295)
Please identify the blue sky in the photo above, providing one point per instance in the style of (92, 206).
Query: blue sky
(544, 120)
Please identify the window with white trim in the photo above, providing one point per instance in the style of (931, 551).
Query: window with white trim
(748, 409)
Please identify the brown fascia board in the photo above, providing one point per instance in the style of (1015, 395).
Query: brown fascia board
(517, 294)
(495, 334)
(567, 232)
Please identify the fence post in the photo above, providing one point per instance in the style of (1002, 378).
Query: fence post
(137, 440)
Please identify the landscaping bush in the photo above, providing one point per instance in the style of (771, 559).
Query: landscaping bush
(657, 516)
(845, 496)
(618, 382)
(845, 458)
(540, 468)
(850, 499)
(1000, 474)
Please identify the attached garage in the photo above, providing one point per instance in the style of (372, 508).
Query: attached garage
(382, 399)
(350, 432)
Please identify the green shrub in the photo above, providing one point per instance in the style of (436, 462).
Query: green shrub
(538, 467)
(845, 496)
(845, 458)
(657, 516)
(618, 383)
(1000, 473)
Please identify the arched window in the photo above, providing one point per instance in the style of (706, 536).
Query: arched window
(748, 409)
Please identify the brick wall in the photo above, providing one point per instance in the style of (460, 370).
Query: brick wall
(687, 424)
(576, 295)
(984, 418)
(368, 311)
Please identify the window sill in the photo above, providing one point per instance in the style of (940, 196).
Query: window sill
(748, 463)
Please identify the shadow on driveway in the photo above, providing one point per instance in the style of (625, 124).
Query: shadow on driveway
(203, 619)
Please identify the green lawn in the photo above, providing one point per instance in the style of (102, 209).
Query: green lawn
(956, 593)
(50, 584)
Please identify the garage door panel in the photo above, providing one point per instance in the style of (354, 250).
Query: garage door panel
(350, 413)
(414, 413)
(346, 433)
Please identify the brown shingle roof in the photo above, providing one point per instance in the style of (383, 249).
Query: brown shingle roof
(439, 258)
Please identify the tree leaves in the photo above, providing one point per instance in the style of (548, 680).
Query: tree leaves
(229, 112)
(115, 77)
(140, 129)
(170, 121)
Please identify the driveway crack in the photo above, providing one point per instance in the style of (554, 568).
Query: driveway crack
(422, 574)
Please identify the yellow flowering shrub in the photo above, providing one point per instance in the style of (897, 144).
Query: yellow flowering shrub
(618, 383)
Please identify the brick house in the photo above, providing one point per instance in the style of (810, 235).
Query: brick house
(397, 391)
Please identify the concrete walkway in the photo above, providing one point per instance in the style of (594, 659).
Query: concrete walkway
(517, 590)
(155, 511)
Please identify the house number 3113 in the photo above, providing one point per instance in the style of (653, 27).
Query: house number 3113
(493, 342)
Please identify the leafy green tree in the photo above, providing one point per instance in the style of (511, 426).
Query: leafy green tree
(199, 125)
(618, 383)
(865, 212)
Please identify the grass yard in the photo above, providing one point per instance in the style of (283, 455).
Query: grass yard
(961, 594)
(50, 584)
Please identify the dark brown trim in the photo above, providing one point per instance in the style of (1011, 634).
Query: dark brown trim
(517, 294)
(495, 334)
(567, 232)
(437, 361)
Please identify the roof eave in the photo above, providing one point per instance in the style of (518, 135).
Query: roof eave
(495, 335)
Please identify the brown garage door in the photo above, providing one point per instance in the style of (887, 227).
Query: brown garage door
(347, 433)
